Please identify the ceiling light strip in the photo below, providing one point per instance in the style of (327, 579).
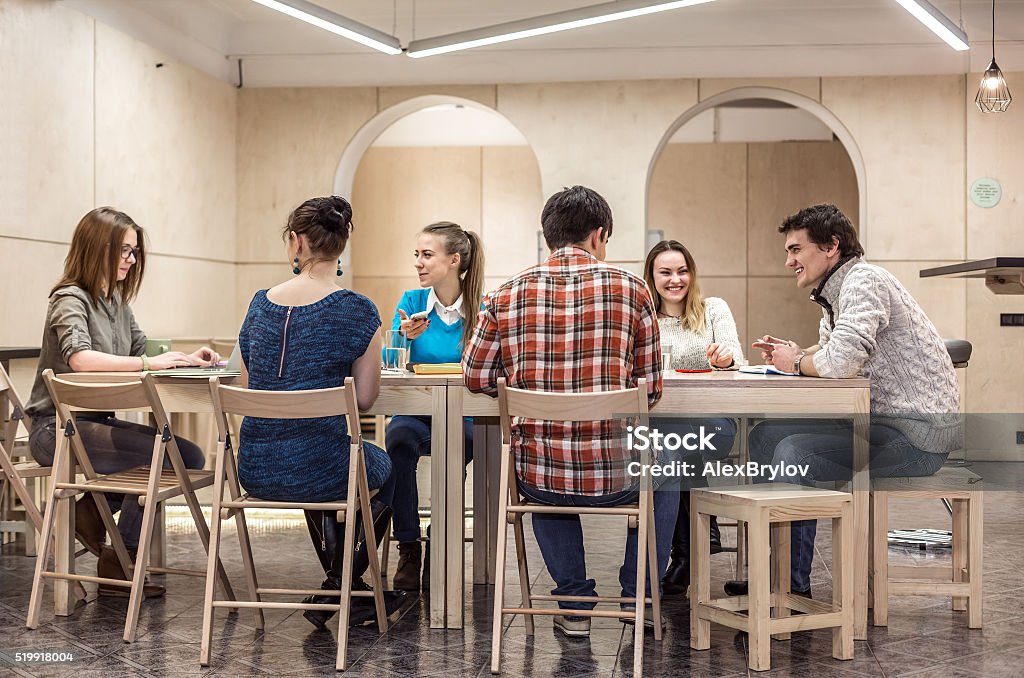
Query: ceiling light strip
(937, 22)
(541, 25)
(335, 23)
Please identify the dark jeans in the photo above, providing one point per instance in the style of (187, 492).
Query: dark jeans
(725, 435)
(826, 446)
(407, 439)
(112, 445)
(560, 538)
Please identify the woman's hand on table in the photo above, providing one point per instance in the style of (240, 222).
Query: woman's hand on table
(412, 328)
(166, 361)
(719, 356)
(206, 356)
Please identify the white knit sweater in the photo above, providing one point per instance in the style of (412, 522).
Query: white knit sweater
(690, 348)
(877, 330)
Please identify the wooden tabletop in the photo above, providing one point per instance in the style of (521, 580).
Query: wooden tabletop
(18, 352)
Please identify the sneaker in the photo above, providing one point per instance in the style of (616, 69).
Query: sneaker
(574, 627)
(648, 617)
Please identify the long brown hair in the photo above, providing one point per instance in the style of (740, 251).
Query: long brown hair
(693, 308)
(471, 268)
(95, 256)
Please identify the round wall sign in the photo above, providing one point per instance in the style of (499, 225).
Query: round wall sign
(986, 192)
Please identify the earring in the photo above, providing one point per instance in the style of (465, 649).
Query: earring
(340, 272)
(295, 266)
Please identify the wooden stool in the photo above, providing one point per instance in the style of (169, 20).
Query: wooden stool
(963, 581)
(767, 510)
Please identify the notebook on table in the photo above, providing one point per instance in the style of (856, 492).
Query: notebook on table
(437, 368)
(765, 369)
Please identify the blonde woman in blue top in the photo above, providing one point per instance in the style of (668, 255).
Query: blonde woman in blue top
(450, 265)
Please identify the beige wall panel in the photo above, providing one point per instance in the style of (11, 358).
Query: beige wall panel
(698, 196)
(809, 87)
(250, 278)
(46, 119)
(187, 298)
(23, 375)
(602, 135)
(385, 292)
(996, 370)
(734, 292)
(165, 147)
(484, 94)
(776, 306)
(289, 143)
(398, 191)
(511, 204)
(995, 146)
(784, 178)
(944, 300)
(28, 270)
(910, 131)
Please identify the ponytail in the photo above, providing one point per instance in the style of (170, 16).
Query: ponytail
(472, 285)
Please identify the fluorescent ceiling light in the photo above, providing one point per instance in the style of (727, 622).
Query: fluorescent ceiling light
(937, 22)
(335, 23)
(541, 25)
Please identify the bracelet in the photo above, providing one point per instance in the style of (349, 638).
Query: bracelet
(796, 363)
(145, 364)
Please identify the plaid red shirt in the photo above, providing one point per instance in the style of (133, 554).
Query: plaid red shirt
(569, 325)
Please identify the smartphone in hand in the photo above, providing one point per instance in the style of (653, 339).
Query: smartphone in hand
(422, 315)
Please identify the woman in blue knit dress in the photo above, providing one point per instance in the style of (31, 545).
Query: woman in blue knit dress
(309, 333)
(450, 264)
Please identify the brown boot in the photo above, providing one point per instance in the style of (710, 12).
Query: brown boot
(88, 525)
(407, 576)
(109, 567)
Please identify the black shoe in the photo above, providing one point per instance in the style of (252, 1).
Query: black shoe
(319, 618)
(736, 587)
(364, 610)
(677, 576)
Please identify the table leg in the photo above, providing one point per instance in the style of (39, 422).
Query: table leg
(861, 486)
(64, 538)
(481, 516)
(438, 507)
(456, 509)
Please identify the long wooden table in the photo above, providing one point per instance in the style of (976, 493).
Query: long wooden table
(399, 394)
(446, 400)
(718, 394)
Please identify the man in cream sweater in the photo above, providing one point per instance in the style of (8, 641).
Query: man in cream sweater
(870, 327)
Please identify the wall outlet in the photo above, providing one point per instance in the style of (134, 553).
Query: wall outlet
(1011, 319)
(1020, 437)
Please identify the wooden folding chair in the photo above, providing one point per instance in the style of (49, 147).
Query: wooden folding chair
(151, 484)
(628, 403)
(331, 402)
(15, 470)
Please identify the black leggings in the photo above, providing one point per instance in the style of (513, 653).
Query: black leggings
(112, 445)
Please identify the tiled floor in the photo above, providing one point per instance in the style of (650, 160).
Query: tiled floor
(924, 636)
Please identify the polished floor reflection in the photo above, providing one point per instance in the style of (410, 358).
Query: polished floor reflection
(923, 637)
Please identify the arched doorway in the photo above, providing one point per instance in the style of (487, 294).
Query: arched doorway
(725, 175)
(434, 158)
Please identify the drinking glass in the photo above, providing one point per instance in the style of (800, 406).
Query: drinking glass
(396, 351)
(666, 357)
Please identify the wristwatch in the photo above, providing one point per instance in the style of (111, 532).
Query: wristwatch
(796, 362)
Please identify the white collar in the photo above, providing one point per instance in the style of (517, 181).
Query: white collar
(442, 310)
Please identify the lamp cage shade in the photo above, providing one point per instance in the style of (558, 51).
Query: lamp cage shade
(993, 93)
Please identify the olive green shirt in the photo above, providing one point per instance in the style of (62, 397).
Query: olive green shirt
(74, 323)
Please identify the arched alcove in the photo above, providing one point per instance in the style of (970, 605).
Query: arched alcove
(738, 163)
(494, 190)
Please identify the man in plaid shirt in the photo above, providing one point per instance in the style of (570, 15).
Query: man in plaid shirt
(573, 324)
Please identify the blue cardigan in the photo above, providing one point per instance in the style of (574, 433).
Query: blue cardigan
(440, 343)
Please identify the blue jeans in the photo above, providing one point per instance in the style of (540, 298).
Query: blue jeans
(826, 446)
(407, 439)
(560, 538)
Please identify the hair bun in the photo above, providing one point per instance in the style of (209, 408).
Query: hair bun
(335, 214)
